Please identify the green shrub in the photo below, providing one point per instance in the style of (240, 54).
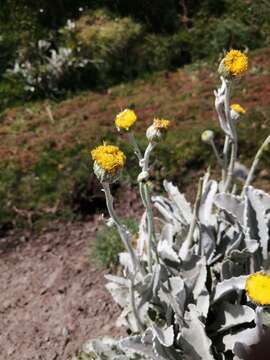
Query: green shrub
(108, 243)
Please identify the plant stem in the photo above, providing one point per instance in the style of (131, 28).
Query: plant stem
(225, 158)
(255, 162)
(233, 137)
(188, 242)
(123, 232)
(133, 306)
(145, 194)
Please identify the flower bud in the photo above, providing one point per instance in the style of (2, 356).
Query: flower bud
(157, 130)
(208, 136)
(236, 111)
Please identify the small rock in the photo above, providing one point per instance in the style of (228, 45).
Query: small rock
(65, 331)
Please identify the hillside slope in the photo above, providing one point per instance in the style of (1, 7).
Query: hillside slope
(45, 166)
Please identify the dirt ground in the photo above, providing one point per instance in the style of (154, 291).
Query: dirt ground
(52, 298)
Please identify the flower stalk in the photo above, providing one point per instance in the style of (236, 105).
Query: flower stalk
(255, 163)
(123, 232)
(189, 239)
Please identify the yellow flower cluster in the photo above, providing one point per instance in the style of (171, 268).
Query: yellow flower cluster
(238, 108)
(258, 288)
(125, 119)
(109, 157)
(161, 124)
(235, 62)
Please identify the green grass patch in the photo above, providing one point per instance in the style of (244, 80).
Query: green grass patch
(108, 243)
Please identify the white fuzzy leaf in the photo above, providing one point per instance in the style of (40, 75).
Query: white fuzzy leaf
(206, 203)
(142, 235)
(166, 252)
(164, 336)
(194, 340)
(247, 337)
(259, 208)
(226, 286)
(231, 204)
(203, 303)
(183, 206)
(134, 343)
(230, 315)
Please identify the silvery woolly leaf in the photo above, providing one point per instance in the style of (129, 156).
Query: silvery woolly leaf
(262, 226)
(245, 338)
(180, 201)
(143, 235)
(166, 353)
(166, 252)
(106, 347)
(232, 205)
(230, 268)
(168, 211)
(219, 105)
(230, 315)
(125, 261)
(128, 320)
(229, 285)
(236, 240)
(149, 287)
(164, 336)
(206, 204)
(135, 343)
(195, 274)
(117, 280)
(173, 293)
(207, 243)
(118, 292)
(167, 233)
(203, 303)
(194, 340)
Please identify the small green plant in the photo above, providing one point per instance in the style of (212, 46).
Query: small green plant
(108, 243)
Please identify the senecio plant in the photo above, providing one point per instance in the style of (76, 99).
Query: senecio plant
(197, 284)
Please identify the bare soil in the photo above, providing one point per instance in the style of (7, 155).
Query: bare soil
(52, 298)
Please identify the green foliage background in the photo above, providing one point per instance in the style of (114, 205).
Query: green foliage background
(146, 35)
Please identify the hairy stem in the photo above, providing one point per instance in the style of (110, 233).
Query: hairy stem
(225, 157)
(189, 239)
(146, 199)
(233, 137)
(123, 232)
(256, 162)
(133, 306)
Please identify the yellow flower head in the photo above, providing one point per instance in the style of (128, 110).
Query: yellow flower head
(161, 124)
(125, 119)
(110, 158)
(258, 288)
(235, 63)
(238, 108)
